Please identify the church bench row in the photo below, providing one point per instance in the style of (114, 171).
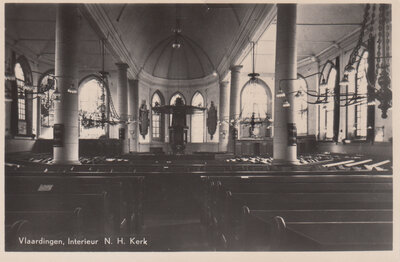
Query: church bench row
(214, 187)
(227, 221)
(44, 223)
(124, 190)
(95, 209)
(140, 167)
(230, 209)
(250, 186)
(293, 187)
(23, 235)
(342, 231)
(226, 215)
(70, 219)
(326, 215)
(161, 167)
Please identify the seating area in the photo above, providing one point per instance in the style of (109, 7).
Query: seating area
(198, 206)
(306, 212)
(241, 130)
(75, 205)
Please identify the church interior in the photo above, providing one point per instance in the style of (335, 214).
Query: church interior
(198, 127)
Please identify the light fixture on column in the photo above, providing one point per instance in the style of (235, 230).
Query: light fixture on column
(56, 95)
(298, 93)
(345, 80)
(280, 93)
(72, 89)
(42, 91)
(28, 87)
(9, 72)
(9, 76)
(285, 103)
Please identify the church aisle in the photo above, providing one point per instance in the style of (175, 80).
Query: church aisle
(171, 214)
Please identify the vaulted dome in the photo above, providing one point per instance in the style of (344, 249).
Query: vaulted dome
(178, 57)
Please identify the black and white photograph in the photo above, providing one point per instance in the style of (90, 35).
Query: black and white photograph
(212, 128)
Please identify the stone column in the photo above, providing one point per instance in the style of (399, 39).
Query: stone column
(133, 108)
(234, 109)
(285, 147)
(224, 96)
(68, 23)
(122, 96)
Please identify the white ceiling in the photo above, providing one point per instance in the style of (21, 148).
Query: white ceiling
(208, 30)
(319, 27)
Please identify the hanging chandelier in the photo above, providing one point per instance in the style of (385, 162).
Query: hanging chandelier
(379, 82)
(253, 75)
(106, 113)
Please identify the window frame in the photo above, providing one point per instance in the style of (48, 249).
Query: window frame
(268, 104)
(82, 83)
(322, 109)
(357, 108)
(161, 118)
(27, 99)
(203, 124)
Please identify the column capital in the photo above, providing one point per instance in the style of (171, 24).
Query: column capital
(122, 66)
(236, 68)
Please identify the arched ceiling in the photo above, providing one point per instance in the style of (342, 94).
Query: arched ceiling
(207, 30)
(213, 36)
(320, 27)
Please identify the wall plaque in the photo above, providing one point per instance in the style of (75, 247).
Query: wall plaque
(121, 132)
(143, 119)
(212, 120)
(292, 134)
(58, 134)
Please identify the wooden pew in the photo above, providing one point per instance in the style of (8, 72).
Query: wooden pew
(96, 207)
(272, 201)
(13, 231)
(125, 190)
(214, 189)
(290, 192)
(344, 230)
(293, 187)
(37, 224)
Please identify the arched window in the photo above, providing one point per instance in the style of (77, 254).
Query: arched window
(157, 119)
(254, 108)
(175, 96)
(301, 107)
(326, 110)
(361, 108)
(21, 120)
(197, 124)
(92, 106)
(172, 102)
(46, 85)
(20, 77)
